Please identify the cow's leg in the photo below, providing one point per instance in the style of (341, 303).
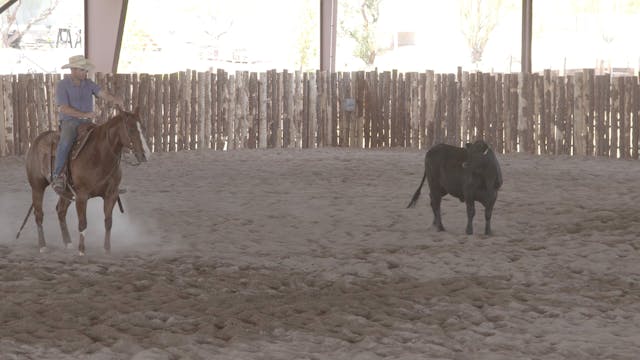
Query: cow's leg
(81, 209)
(37, 195)
(436, 199)
(109, 203)
(471, 212)
(488, 210)
(61, 208)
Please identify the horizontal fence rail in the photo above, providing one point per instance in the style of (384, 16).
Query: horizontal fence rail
(579, 114)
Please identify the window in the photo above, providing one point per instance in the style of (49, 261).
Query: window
(418, 35)
(572, 35)
(253, 35)
(40, 36)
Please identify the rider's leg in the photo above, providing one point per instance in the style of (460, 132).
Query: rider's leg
(68, 134)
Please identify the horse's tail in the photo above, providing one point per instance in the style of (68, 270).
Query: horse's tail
(25, 221)
(120, 205)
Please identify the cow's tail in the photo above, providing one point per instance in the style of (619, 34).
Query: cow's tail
(416, 195)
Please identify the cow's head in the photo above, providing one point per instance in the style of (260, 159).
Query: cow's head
(477, 155)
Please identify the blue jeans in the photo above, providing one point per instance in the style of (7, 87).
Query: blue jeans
(68, 134)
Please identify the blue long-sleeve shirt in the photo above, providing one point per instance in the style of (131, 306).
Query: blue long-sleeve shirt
(79, 97)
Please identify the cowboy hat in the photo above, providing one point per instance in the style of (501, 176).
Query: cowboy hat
(78, 62)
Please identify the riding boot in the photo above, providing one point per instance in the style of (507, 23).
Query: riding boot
(59, 183)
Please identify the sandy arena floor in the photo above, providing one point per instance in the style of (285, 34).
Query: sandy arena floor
(311, 254)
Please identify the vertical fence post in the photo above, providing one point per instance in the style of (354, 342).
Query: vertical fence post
(287, 108)
(230, 105)
(489, 107)
(345, 129)
(253, 114)
(262, 112)
(579, 123)
(369, 125)
(589, 103)
(635, 112)
(616, 105)
(464, 107)
(560, 109)
(173, 112)
(277, 109)
(298, 109)
(333, 108)
(202, 97)
(499, 113)
(539, 140)
(414, 110)
(430, 104)
(4, 107)
(150, 123)
(393, 124)
(525, 113)
(627, 130)
(549, 96)
(212, 120)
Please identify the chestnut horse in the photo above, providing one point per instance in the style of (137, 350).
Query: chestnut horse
(94, 171)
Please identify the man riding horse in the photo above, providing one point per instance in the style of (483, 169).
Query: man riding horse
(75, 105)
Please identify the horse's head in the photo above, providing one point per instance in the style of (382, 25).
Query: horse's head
(132, 135)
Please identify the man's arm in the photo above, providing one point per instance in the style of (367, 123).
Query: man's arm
(110, 98)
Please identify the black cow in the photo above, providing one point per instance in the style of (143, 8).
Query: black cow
(471, 174)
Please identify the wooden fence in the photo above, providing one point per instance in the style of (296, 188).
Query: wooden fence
(581, 114)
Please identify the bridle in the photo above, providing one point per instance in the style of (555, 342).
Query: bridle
(129, 142)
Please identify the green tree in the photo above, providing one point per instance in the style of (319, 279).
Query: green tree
(360, 24)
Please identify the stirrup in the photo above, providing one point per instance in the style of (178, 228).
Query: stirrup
(59, 184)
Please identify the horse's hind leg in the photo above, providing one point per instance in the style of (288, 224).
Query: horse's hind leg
(37, 195)
(109, 203)
(61, 208)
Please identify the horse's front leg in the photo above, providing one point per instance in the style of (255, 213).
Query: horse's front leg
(61, 207)
(81, 208)
(109, 203)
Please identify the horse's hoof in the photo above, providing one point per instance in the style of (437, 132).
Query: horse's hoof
(43, 250)
(80, 253)
(68, 245)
